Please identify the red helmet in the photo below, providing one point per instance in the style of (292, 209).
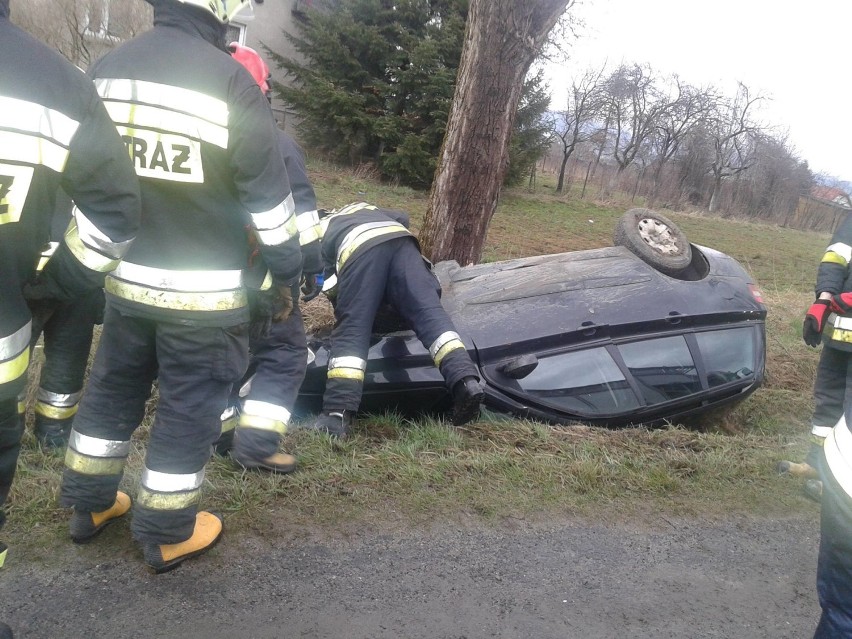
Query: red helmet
(252, 61)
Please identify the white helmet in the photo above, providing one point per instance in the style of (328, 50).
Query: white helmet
(222, 10)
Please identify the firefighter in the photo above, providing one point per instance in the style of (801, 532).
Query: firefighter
(834, 563)
(371, 257)
(832, 326)
(54, 133)
(204, 144)
(256, 421)
(68, 334)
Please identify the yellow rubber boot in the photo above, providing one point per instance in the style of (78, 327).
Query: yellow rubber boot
(165, 557)
(803, 470)
(85, 526)
(275, 463)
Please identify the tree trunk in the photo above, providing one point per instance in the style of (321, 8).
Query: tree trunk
(714, 198)
(561, 182)
(502, 38)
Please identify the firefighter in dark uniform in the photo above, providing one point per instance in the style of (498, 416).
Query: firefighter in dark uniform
(54, 133)
(67, 334)
(204, 143)
(371, 257)
(832, 326)
(254, 423)
(834, 564)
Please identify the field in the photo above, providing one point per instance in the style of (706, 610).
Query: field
(398, 473)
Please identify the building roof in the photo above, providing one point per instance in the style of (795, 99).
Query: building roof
(831, 194)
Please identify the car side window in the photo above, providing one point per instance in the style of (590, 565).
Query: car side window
(663, 368)
(587, 382)
(728, 354)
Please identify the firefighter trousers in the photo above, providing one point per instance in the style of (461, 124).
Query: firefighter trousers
(195, 366)
(831, 394)
(67, 345)
(394, 272)
(276, 371)
(11, 430)
(834, 565)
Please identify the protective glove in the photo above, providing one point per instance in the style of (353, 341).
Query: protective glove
(43, 289)
(815, 321)
(285, 303)
(841, 304)
(274, 304)
(311, 286)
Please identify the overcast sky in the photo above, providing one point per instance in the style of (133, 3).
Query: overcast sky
(795, 53)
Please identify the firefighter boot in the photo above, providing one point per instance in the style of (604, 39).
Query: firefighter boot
(52, 434)
(813, 489)
(337, 423)
(804, 470)
(85, 526)
(275, 463)
(467, 397)
(165, 557)
(5, 631)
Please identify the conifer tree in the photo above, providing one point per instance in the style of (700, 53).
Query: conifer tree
(377, 82)
(532, 129)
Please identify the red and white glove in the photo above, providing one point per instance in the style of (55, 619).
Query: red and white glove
(815, 321)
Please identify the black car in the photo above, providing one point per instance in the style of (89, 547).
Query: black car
(653, 329)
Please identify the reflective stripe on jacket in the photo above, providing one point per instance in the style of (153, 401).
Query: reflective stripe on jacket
(15, 354)
(192, 291)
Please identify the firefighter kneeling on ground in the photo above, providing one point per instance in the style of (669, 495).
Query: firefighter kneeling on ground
(371, 257)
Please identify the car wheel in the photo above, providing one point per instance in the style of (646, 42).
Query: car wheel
(655, 239)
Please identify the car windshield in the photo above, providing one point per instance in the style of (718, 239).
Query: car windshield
(620, 378)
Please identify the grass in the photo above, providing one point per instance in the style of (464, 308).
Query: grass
(399, 473)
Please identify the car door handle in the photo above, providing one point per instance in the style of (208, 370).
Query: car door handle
(589, 328)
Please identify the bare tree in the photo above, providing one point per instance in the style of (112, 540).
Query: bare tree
(82, 30)
(573, 126)
(687, 108)
(734, 134)
(636, 106)
(502, 39)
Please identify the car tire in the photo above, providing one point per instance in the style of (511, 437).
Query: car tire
(654, 239)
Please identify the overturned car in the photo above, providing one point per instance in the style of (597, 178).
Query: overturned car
(653, 329)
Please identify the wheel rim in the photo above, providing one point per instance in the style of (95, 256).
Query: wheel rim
(658, 236)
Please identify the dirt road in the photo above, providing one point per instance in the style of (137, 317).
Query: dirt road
(739, 578)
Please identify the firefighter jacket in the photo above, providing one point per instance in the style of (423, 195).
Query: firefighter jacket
(834, 276)
(54, 133)
(205, 146)
(349, 232)
(307, 218)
